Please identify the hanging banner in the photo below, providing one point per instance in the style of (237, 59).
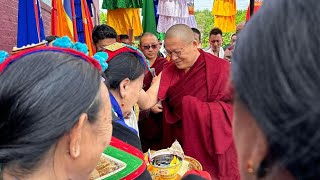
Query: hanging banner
(224, 12)
(30, 24)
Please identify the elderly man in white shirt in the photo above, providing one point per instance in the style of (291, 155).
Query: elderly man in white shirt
(215, 41)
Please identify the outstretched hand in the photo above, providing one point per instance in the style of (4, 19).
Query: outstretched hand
(150, 98)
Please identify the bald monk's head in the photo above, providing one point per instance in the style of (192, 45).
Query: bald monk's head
(146, 35)
(181, 46)
(149, 45)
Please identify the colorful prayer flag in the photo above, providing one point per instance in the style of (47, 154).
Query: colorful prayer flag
(79, 21)
(68, 11)
(30, 24)
(149, 19)
(72, 18)
(124, 20)
(87, 26)
(224, 12)
(62, 22)
(74, 21)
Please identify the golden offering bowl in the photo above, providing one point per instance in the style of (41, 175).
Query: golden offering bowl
(166, 164)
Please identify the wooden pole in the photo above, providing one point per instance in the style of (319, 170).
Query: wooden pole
(130, 36)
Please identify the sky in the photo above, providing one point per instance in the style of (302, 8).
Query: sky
(207, 4)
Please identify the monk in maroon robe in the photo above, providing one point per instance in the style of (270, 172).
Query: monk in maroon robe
(150, 120)
(196, 103)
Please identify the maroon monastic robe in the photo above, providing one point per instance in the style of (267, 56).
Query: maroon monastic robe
(150, 124)
(198, 113)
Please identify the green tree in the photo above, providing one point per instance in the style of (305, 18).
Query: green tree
(205, 21)
(241, 16)
(103, 18)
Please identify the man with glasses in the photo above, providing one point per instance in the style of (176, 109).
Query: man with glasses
(150, 120)
(197, 103)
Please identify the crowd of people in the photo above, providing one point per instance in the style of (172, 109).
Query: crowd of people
(248, 111)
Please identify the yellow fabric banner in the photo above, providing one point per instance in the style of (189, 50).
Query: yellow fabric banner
(224, 12)
(124, 19)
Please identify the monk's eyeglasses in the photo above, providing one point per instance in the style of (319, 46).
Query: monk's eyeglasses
(177, 52)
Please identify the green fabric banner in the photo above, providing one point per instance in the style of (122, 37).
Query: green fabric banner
(149, 19)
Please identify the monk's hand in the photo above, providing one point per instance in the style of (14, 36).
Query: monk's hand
(157, 108)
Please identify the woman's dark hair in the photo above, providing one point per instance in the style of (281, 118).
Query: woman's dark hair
(101, 32)
(42, 96)
(124, 65)
(275, 71)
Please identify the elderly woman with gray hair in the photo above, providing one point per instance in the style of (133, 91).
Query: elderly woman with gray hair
(275, 73)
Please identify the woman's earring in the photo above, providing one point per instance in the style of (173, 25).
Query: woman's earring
(250, 168)
(122, 104)
(261, 171)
